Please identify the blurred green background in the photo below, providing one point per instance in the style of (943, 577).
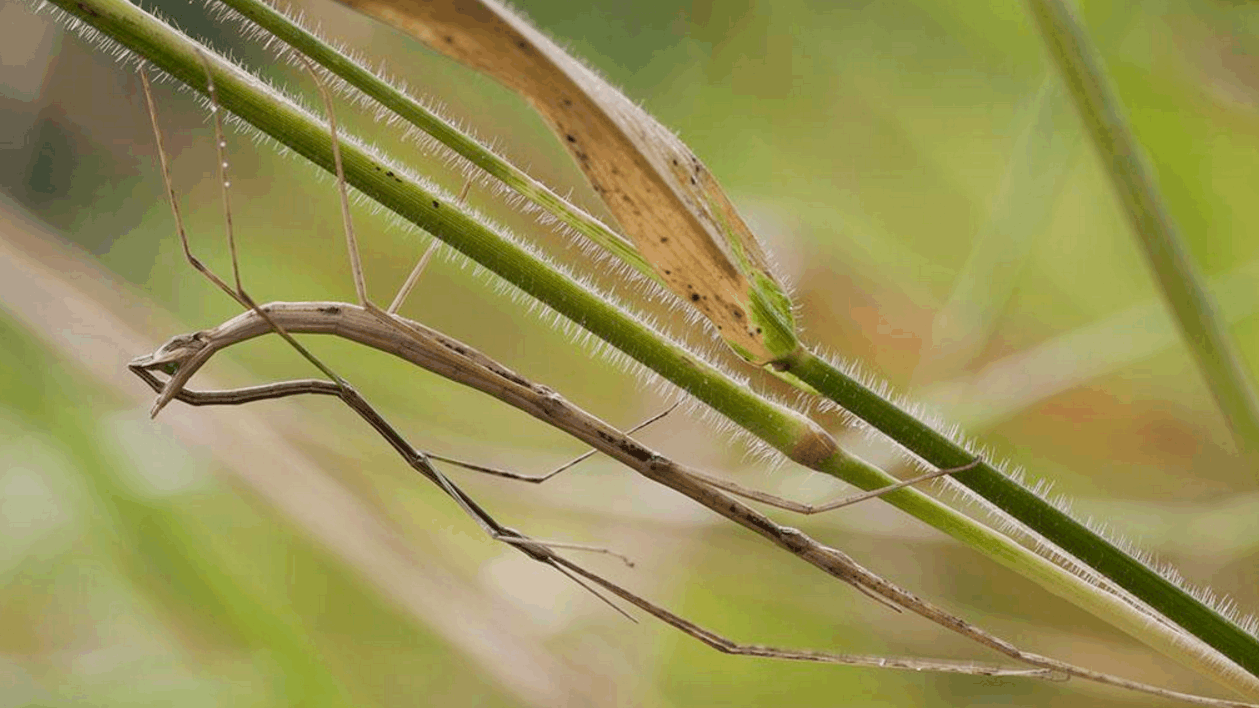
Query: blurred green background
(921, 182)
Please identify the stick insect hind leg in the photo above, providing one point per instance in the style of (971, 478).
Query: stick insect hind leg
(716, 482)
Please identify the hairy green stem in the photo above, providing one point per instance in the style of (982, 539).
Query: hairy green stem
(1178, 278)
(788, 431)
(417, 115)
(1033, 511)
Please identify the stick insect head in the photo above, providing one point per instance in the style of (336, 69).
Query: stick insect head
(179, 358)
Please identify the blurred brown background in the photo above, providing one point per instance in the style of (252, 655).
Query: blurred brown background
(920, 181)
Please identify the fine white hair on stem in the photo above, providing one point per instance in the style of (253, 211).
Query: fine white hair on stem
(1042, 488)
(623, 277)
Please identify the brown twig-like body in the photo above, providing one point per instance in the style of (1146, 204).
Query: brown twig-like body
(459, 362)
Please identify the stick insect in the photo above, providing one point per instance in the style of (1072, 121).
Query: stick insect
(182, 356)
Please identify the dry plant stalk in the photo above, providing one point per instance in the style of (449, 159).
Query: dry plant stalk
(182, 356)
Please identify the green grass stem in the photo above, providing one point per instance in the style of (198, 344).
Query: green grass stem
(1129, 171)
(1031, 510)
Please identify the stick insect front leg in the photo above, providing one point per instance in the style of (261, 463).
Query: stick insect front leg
(174, 356)
(538, 550)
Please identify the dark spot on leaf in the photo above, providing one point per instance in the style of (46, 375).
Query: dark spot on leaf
(436, 204)
(569, 137)
(664, 239)
(694, 296)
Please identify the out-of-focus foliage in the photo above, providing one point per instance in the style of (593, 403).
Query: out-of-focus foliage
(144, 563)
